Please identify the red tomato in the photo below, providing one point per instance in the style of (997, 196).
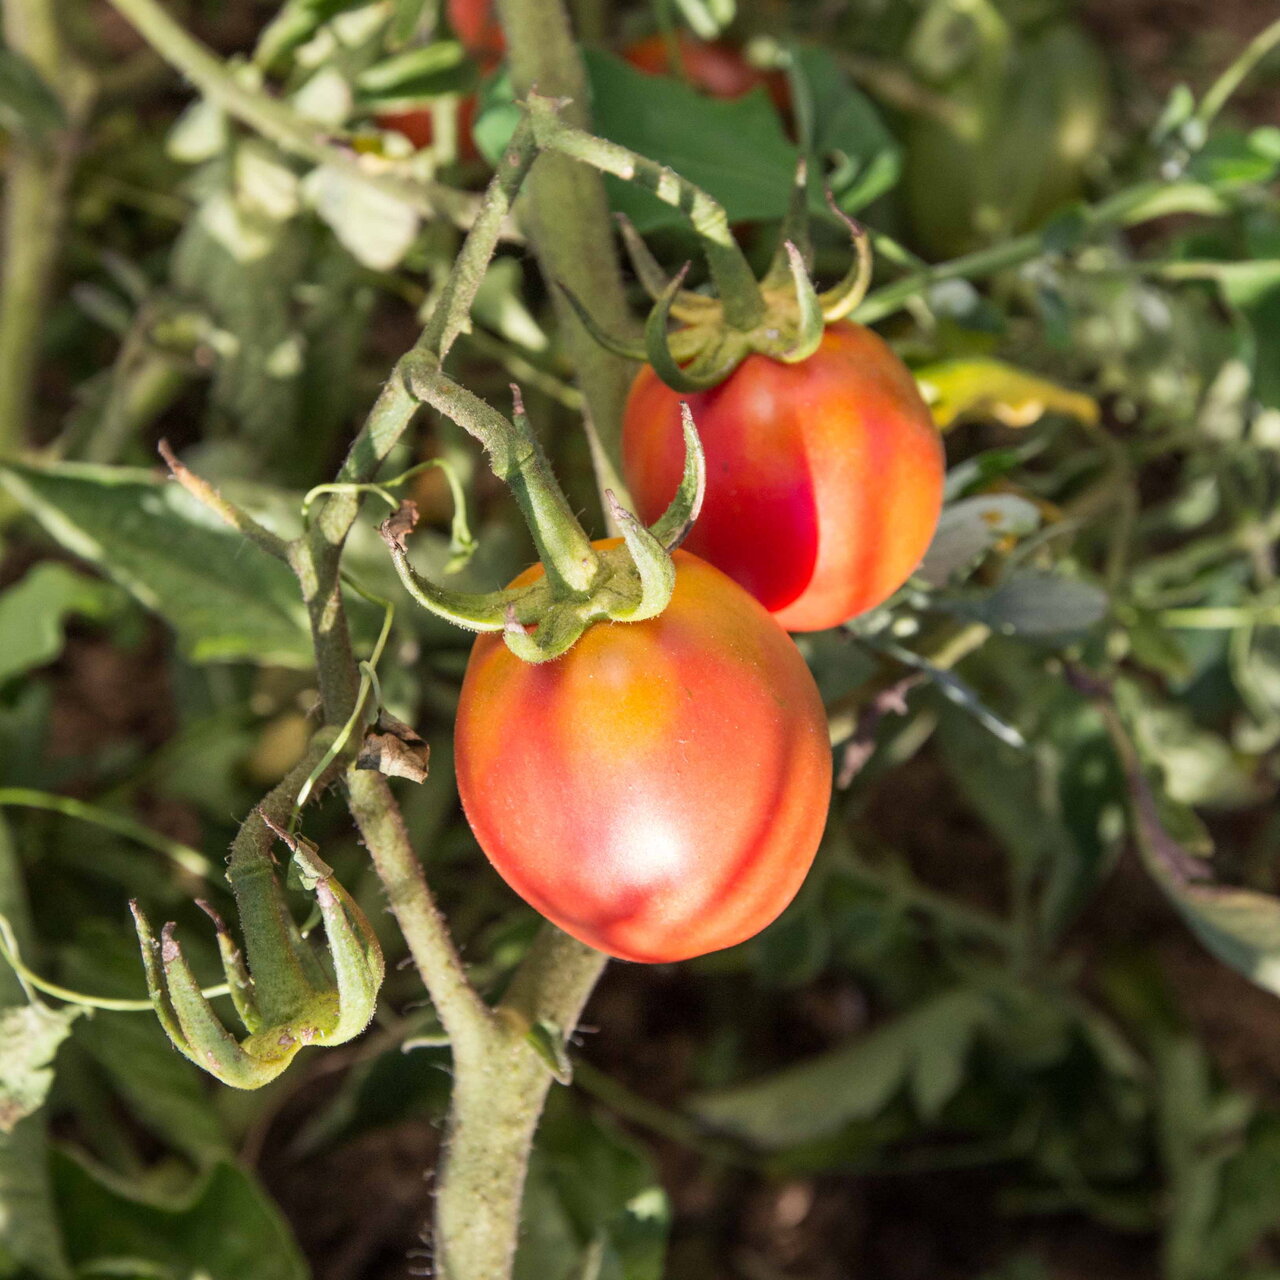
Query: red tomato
(418, 125)
(824, 478)
(660, 790)
(476, 26)
(717, 68)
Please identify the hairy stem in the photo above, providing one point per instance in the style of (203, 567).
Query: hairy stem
(566, 212)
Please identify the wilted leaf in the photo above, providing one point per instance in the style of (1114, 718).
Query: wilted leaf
(224, 597)
(969, 528)
(984, 388)
(29, 1037)
(924, 1049)
(374, 227)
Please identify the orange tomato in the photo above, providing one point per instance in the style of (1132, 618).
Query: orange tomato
(660, 790)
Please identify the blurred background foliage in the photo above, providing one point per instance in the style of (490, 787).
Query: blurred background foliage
(1022, 1021)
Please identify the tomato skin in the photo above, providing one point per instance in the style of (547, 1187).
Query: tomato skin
(715, 67)
(477, 27)
(418, 125)
(660, 790)
(824, 478)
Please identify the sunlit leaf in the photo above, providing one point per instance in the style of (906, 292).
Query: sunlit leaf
(982, 388)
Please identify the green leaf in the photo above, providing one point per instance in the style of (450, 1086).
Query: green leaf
(968, 529)
(842, 126)
(33, 610)
(225, 1228)
(735, 150)
(226, 599)
(1039, 604)
(29, 1239)
(590, 1190)
(925, 1050)
(28, 106)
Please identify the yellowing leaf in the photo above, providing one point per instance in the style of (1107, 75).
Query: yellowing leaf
(983, 388)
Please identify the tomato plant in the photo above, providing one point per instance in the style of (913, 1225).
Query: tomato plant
(824, 478)
(660, 790)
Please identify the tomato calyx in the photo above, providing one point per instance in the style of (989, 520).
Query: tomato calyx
(713, 335)
(582, 584)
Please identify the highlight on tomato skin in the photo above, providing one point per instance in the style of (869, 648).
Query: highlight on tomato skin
(824, 478)
(659, 791)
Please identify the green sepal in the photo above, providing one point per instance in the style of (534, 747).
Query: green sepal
(687, 306)
(661, 348)
(795, 231)
(597, 332)
(654, 567)
(810, 322)
(242, 993)
(838, 301)
(672, 527)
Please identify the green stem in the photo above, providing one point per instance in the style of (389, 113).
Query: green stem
(736, 283)
(500, 1086)
(276, 121)
(1231, 79)
(37, 177)
(564, 197)
(1126, 208)
(182, 855)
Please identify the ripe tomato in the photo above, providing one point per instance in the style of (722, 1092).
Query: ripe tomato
(824, 478)
(418, 125)
(476, 26)
(717, 68)
(660, 790)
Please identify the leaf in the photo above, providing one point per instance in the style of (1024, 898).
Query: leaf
(30, 1237)
(844, 126)
(983, 388)
(29, 108)
(224, 1228)
(1239, 926)
(29, 1038)
(377, 229)
(33, 610)
(226, 599)
(968, 529)
(590, 1188)
(735, 150)
(924, 1049)
(1038, 604)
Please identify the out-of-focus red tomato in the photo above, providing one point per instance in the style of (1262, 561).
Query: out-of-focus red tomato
(715, 67)
(418, 125)
(659, 791)
(476, 25)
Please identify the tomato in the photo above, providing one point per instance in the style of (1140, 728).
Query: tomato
(477, 27)
(418, 125)
(824, 478)
(716, 68)
(660, 790)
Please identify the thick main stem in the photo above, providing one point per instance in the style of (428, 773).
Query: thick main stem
(37, 176)
(567, 214)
